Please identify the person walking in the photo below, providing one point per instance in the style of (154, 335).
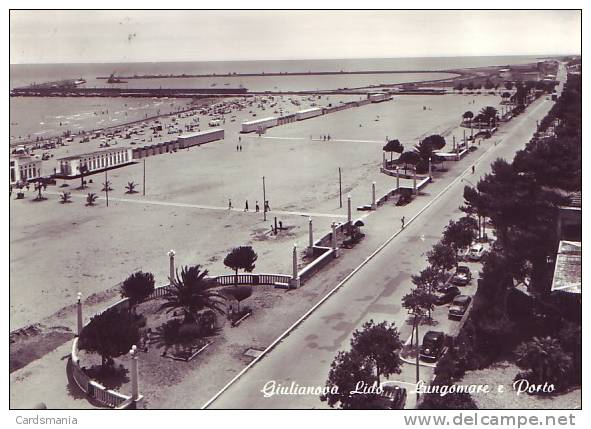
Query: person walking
(473, 169)
(402, 219)
(229, 204)
(267, 207)
(246, 206)
(256, 207)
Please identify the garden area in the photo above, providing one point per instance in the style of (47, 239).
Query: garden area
(171, 325)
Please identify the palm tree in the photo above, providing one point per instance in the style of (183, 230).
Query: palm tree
(130, 188)
(65, 197)
(546, 360)
(107, 186)
(192, 291)
(489, 113)
(91, 199)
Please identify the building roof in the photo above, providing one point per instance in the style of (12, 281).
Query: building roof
(567, 271)
(257, 121)
(199, 133)
(98, 152)
(576, 199)
(311, 109)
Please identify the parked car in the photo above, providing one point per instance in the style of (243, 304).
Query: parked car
(446, 295)
(476, 251)
(393, 397)
(432, 346)
(459, 306)
(462, 276)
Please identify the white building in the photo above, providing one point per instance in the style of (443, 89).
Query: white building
(73, 166)
(24, 168)
(200, 137)
(378, 98)
(308, 113)
(259, 124)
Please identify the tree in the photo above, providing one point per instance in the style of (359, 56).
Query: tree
(442, 257)
(545, 361)
(346, 371)
(65, 197)
(107, 186)
(192, 291)
(409, 157)
(110, 334)
(419, 301)
(435, 141)
(468, 115)
(243, 257)
(488, 114)
(130, 188)
(137, 287)
(461, 233)
(393, 146)
(381, 345)
(91, 199)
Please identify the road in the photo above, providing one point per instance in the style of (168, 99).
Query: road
(374, 292)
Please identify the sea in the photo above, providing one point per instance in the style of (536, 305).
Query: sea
(32, 118)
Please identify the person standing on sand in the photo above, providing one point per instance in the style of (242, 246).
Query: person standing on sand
(246, 206)
(402, 219)
(229, 204)
(256, 207)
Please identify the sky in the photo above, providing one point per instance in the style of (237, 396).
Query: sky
(137, 36)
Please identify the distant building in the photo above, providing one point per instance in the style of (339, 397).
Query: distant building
(568, 268)
(24, 168)
(72, 167)
(570, 219)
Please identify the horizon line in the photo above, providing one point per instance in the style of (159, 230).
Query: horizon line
(298, 59)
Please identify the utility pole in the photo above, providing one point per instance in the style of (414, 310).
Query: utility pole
(264, 201)
(144, 188)
(340, 190)
(417, 358)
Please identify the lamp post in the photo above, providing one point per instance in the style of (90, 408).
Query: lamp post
(79, 313)
(264, 201)
(171, 264)
(349, 215)
(373, 195)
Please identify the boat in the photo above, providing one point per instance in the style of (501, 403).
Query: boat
(113, 79)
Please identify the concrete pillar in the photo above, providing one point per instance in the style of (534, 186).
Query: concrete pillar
(349, 209)
(454, 142)
(384, 159)
(294, 282)
(310, 250)
(397, 177)
(79, 314)
(171, 263)
(414, 181)
(135, 390)
(334, 239)
(465, 142)
(373, 195)
(429, 166)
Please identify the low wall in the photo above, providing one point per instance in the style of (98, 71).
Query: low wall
(327, 255)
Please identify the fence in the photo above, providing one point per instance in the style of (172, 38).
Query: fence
(95, 390)
(312, 268)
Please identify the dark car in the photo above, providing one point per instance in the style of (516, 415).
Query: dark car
(432, 346)
(459, 306)
(462, 276)
(393, 397)
(446, 295)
